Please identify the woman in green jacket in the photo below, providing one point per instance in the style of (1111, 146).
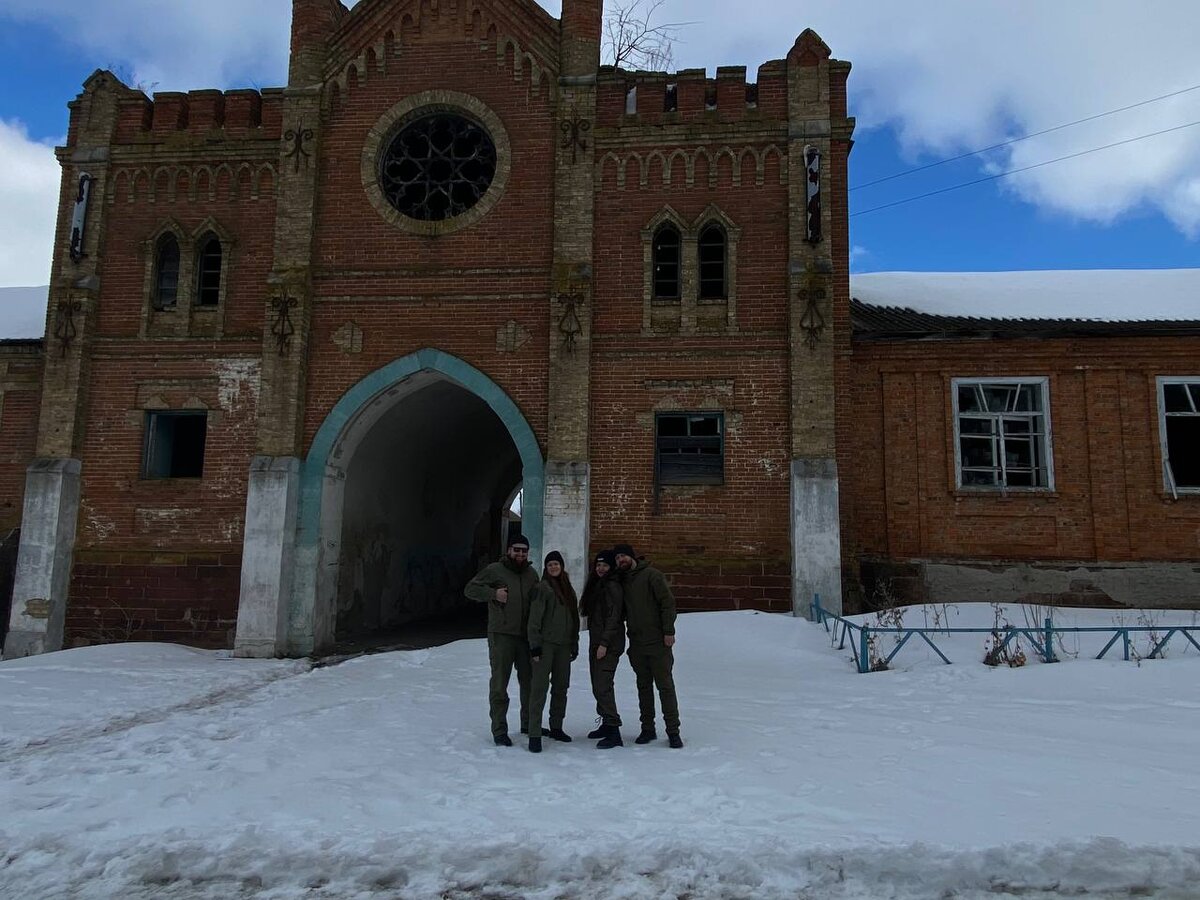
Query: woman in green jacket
(553, 646)
(604, 607)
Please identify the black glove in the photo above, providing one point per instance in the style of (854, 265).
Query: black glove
(535, 652)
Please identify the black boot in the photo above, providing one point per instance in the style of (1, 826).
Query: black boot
(647, 735)
(535, 745)
(600, 731)
(611, 739)
(502, 740)
(559, 735)
(674, 741)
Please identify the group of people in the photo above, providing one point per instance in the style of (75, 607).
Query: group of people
(534, 627)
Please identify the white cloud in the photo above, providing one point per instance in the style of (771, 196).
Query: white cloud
(947, 75)
(29, 182)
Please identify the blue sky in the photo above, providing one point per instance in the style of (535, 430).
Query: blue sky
(927, 84)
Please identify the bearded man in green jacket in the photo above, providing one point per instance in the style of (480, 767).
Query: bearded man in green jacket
(650, 615)
(507, 588)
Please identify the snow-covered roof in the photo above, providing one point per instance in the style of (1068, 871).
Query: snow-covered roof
(22, 312)
(1111, 295)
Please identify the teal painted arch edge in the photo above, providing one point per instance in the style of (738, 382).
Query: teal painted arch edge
(532, 463)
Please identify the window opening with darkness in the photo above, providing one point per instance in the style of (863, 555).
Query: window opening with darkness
(1180, 405)
(166, 272)
(666, 263)
(174, 446)
(671, 98)
(1002, 434)
(208, 272)
(690, 448)
(713, 284)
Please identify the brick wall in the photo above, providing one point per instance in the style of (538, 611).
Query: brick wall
(20, 404)
(1108, 504)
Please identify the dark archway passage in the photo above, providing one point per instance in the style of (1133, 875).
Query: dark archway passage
(426, 494)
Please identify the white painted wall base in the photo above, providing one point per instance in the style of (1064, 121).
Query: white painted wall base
(566, 515)
(268, 557)
(816, 536)
(39, 603)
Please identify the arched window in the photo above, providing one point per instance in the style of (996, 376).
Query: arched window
(666, 263)
(166, 272)
(208, 271)
(713, 263)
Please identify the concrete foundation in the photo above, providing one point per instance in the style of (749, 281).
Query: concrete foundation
(1137, 585)
(816, 536)
(39, 601)
(566, 516)
(268, 557)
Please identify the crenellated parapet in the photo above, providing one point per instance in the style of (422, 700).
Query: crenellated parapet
(633, 98)
(203, 119)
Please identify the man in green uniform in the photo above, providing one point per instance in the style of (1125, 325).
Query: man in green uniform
(507, 588)
(650, 614)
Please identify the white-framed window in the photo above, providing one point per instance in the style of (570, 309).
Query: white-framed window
(1002, 434)
(1179, 432)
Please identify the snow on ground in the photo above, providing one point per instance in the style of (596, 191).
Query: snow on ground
(1115, 295)
(800, 778)
(23, 312)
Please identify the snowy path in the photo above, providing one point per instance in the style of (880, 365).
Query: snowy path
(800, 778)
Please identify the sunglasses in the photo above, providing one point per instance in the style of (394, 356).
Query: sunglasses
(519, 549)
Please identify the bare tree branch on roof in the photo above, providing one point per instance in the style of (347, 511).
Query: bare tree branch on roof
(634, 40)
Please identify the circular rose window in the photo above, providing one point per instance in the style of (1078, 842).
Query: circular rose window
(437, 167)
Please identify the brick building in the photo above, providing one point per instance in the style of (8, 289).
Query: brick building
(306, 345)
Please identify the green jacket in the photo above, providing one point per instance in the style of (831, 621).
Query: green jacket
(649, 605)
(606, 621)
(511, 617)
(550, 621)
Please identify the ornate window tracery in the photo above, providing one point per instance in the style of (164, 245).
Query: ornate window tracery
(438, 166)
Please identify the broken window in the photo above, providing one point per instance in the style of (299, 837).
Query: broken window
(1002, 433)
(712, 263)
(208, 271)
(174, 445)
(166, 272)
(1179, 427)
(666, 263)
(690, 448)
(671, 98)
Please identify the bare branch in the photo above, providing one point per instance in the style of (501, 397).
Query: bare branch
(633, 39)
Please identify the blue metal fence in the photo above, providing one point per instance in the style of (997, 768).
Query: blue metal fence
(1040, 638)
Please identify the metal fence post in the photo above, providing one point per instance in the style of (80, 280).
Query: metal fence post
(1049, 644)
(864, 639)
(818, 614)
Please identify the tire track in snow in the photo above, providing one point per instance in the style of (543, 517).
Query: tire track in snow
(70, 738)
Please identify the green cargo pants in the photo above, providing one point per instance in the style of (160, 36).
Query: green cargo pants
(506, 651)
(652, 665)
(551, 673)
(603, 672)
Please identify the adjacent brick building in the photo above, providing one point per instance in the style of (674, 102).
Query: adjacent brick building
(306, 345)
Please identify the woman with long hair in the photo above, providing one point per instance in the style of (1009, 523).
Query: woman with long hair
(603, 606)
(553, 646)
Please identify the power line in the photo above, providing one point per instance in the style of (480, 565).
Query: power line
(1017, 140)
(1048, 162)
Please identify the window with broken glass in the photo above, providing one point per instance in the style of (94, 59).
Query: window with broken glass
(208, 271)
(1002, 433)
(1179, 427)
(713, 263)
(437, 167)
(690, 448)
(174, 444)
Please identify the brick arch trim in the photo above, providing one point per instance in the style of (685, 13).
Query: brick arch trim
(330, 444)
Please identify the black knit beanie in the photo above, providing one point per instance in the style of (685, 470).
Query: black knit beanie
(624, 550)
(555, 556)
(607, 557)
(517, 539)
